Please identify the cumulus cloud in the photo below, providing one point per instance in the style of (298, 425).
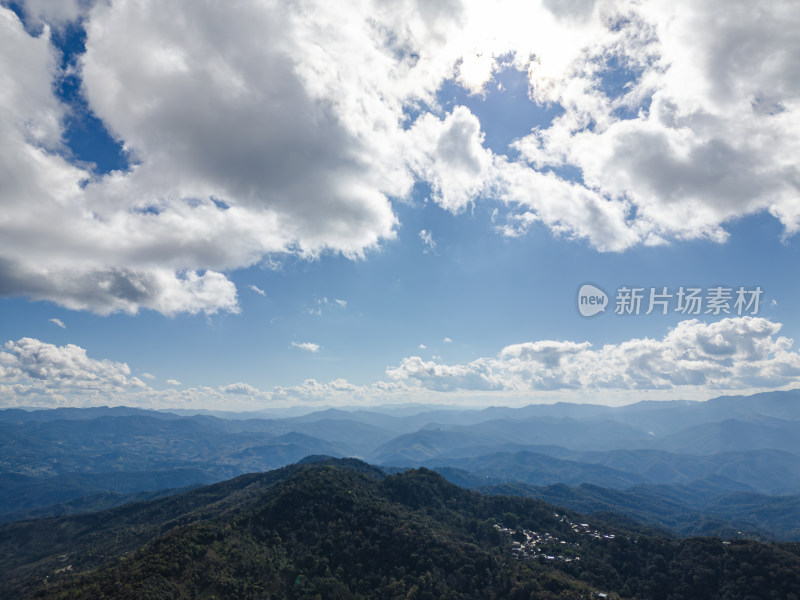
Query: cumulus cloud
(692, 360)
(35, 373)
(342, 393)
(58, 322)
(261, 165)
(675, 120)
(240, 389)
(307, 346)
(35, 368)
(734, 353)
(107, 290)
(449, 154)
(311, 389)
(476, 375)
(704, 132)
(55, 12)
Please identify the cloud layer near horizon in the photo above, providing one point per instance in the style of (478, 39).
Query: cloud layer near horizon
(677, 117)
(737, 353)
(694, 359)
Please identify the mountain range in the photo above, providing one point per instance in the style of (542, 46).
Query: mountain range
(728, 464)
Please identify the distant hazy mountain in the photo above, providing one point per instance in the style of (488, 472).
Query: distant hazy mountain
(539, 469)
(19, 493)
(415, 448)
(740, 443)
(729, 435)
(769, 471)
(663, 418)
(45, 462)
(363, 437)
(765, 471)
(93, 502)
(701, 508)
(17, 415)
(437, 440)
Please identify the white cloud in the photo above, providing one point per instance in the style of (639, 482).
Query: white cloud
(38, 368)
(307, 346)
(694, 360)
(258, 290)
(35, 373)
(711, 132)
(320, 302)
(31, 117)
(431, 375)
(734, 353)
(566, 208)
(288, 175)
(447, 340)
(311, 389)
(55, 12)
(244, 150)
(422, 346)
(340, 392)
(273, 150)
(58, 322)
(240, 389)
(449, 154)
(108, 290)
(427, 239)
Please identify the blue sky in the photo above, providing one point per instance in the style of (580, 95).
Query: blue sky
(197, 217)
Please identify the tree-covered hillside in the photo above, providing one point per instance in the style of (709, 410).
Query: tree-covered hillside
(341, 529)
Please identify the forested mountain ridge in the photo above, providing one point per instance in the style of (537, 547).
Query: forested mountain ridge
(342, 529)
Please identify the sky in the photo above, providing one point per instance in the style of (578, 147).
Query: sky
(261, 204)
